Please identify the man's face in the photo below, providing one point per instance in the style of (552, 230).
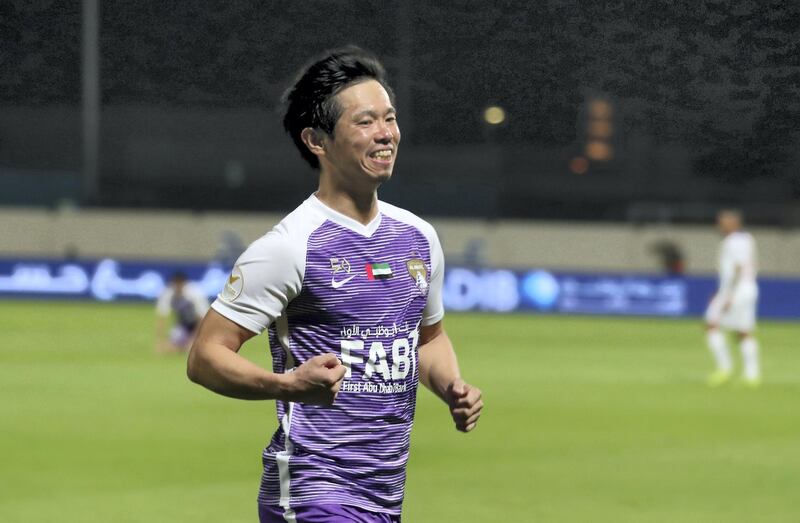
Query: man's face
(364, 144)
(727, 223)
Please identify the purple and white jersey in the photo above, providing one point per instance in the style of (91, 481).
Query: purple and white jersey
(322, 282)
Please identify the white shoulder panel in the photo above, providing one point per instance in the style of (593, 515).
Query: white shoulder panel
(269, 274)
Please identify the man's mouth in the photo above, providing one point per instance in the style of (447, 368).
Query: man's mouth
(384, 155)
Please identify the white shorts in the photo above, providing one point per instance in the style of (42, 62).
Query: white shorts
(741, 315)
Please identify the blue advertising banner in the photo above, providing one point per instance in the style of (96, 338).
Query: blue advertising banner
(499, 290)
(465, 288)
(104, 280)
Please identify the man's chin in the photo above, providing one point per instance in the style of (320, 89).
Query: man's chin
(380, 177)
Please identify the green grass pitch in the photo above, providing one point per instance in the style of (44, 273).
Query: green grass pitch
(586, 419)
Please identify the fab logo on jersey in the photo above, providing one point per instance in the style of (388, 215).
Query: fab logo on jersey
(418, 273)
(379, 365)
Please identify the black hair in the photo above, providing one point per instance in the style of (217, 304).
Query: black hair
(178, 277)
(311, 100)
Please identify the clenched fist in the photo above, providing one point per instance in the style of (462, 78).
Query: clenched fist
(316, 381)
(465, 404)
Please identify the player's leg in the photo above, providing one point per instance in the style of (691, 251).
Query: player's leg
(718, 345)
(743, 322)
(748, 344)
(750, 358)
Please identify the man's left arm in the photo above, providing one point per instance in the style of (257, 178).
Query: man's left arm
(731, 288)
(438, 371)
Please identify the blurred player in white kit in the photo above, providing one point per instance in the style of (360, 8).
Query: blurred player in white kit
(733, 307)
(189, 304)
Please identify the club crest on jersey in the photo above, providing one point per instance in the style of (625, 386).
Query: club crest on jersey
(339, 265)
(233, 286)
(418, 273)
(378, 271)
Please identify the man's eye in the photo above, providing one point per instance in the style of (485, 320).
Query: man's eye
(364, 122)
(391, 119)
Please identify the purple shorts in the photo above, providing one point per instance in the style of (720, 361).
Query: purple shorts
(323, 514)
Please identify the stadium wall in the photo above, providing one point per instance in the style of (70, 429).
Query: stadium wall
(496, 290)
(172, 235)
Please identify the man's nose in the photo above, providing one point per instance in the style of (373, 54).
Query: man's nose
(384, 134)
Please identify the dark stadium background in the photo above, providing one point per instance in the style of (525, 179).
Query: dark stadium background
(704, 99)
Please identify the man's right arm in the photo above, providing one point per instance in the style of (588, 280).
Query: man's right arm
(215, 363)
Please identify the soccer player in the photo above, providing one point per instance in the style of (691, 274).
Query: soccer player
(189, 304)
(350, 291)
(733, 307)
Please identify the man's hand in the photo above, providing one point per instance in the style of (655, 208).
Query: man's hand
(465, 404)
(316, 381)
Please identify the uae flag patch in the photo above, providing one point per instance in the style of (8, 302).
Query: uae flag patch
(379, 271)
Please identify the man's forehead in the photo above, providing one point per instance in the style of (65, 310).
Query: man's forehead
(365, 96)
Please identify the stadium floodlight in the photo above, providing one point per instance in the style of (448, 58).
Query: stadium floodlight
(494, 115)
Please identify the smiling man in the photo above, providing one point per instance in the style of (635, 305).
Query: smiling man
(349, 289)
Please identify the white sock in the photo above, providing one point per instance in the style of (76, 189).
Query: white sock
(719, 349)
(752, 369)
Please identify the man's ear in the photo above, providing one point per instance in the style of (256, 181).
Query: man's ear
(313, 140)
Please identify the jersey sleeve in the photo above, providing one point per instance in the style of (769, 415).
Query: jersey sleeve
(434, 308)
(265, 278)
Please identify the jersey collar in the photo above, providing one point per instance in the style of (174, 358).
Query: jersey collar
(345, 221)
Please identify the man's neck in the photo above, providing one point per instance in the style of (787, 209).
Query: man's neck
(361, 207)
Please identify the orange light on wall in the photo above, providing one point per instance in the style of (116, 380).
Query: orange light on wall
(600, 109)
(579, 165)
(599, 151)
(600, 129)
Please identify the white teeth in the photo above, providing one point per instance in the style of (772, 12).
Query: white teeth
(383, 154)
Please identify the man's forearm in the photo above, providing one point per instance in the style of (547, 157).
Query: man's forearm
(226, 372)
(438, 365)
(438, 370)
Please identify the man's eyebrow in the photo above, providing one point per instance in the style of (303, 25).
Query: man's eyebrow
(373, 114)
